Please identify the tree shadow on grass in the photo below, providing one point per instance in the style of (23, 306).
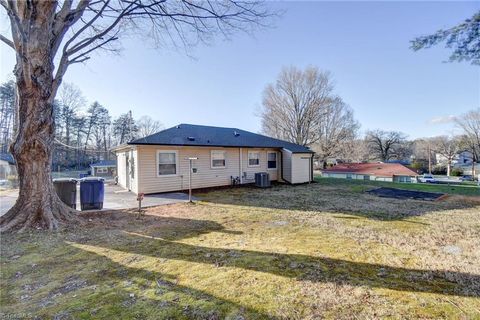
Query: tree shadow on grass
(336, 200)
(132, 297)
(70, 282)
(298, 266)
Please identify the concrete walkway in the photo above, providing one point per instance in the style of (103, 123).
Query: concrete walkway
(115, 198)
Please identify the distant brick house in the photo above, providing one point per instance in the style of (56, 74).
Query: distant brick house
(392, 172)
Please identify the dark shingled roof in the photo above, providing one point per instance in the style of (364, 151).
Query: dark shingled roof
(195, 135)
(104, 163)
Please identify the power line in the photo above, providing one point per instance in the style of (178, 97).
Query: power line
(79, 148)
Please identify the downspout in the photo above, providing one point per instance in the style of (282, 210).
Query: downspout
(281, 166)
(311, 168)
(240, 174)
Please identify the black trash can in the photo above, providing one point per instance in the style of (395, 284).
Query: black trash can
(91, 193)
(67, 191)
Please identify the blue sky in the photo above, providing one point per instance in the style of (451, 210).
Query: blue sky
(364, 44)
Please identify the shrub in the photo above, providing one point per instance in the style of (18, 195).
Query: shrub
(456, 172)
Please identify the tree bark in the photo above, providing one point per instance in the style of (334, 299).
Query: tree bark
(38, 205)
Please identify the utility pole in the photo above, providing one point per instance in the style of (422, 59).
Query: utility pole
(429, 159)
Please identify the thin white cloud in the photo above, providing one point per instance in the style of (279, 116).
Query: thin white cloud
(442, 119)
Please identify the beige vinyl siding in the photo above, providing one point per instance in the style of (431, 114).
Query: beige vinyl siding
(150, 182)
(301, 167)
(262, 167)
(287, 165)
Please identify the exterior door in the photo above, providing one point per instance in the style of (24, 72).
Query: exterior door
(303, 170)
(127, 170)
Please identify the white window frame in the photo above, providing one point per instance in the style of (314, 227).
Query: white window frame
(103, 170)
(276, 160)
(248, 159)
(177, 167)
(224, 158)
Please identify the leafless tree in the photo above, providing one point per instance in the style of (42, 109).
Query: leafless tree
(424, 153)
(448, 148)
(7, 114)
(337, 131)
(147, 126)
(356, 151)
(50, 36)
(70, 101)
(470, 124)
(386, 145)
(293, 105)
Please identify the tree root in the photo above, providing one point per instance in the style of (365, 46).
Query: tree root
(52, 214)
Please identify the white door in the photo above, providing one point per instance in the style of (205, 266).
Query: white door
(302, 170)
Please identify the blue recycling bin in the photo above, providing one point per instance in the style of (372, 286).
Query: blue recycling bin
(92, 191)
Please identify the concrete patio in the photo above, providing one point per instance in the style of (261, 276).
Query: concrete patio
(115, 198)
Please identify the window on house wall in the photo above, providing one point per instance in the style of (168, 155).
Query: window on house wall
(272, 160)
(102, 170)
(253, 159)
(218, 159)
(167, 163)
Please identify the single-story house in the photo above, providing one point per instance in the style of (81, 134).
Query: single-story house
(224, 156)
(7, 166)
(104, 168)
(392, 172)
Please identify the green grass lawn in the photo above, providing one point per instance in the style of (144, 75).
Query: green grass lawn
(468, 189)
(322, 250)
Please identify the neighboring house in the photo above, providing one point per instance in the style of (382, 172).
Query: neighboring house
(104, 168)
(466, 169)
(392, 172)
(462, 158)
(159, 162)
(7, 166)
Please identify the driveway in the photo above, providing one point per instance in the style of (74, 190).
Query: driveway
(115, 198)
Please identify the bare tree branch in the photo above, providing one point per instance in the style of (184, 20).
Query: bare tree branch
(7, 41)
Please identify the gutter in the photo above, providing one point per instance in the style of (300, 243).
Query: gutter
(208, 145)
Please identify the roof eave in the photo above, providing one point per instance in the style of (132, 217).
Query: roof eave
(211, 145)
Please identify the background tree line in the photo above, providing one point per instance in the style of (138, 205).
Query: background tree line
(301, 106)
(84, 133)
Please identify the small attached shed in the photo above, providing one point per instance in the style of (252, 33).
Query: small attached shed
(104, 168)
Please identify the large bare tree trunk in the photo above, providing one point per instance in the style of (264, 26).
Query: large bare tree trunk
(38, 204)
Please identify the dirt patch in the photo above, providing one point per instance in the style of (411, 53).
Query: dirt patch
(405, 194)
